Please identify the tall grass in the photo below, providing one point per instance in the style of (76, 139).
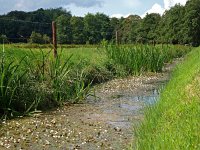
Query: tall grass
(38, 81)
(174, 122)
(144, 58)
(49, 75)
(33, 79)
(11, 79)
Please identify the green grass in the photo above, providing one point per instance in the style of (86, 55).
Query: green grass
(92, 54)
(33, 79)
(174, 122)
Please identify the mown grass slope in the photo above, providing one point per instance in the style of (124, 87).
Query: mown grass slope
(174, 122)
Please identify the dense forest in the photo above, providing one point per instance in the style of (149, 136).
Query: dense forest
(179, 25)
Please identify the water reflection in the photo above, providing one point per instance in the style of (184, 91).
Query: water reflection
(129, 107)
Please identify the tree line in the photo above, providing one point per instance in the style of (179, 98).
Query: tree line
(179, 25)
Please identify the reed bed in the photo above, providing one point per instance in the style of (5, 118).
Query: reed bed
(144, 58)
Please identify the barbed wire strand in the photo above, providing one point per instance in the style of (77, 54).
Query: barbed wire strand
(47, 23)
(66, 27)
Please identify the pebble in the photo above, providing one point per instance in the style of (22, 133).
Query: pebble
(117, 129)
(47, 142)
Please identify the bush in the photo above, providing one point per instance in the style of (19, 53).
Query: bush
(39, 38)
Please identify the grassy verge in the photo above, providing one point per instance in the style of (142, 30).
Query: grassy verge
(174, 122)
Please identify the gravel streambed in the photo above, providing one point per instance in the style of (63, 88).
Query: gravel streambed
(104, 122)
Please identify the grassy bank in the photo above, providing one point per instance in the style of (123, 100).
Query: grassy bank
(33, 79)
(174, 122)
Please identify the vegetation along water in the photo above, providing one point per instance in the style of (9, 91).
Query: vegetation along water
(33, 79)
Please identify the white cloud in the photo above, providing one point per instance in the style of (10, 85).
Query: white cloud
(171, 3)
(156, 8)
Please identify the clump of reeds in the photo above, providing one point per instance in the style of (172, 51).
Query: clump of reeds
(143, 58)
(39, 81)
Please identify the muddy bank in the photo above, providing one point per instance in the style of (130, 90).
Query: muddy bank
(104, 122)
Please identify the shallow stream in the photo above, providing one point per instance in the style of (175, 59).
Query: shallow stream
(105, 122)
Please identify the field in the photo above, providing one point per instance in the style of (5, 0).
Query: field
(32, 79)
(174, 122)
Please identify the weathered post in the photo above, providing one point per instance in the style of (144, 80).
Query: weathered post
(54, 39)
(116, 37)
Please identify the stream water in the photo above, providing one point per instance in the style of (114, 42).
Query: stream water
(103, 123)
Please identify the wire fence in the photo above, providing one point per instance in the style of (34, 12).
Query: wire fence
(25, 28)
(43, 30)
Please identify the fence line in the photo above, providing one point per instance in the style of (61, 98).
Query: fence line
(47, 23)
(83, 30)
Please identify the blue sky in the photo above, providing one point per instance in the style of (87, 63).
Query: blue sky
(115, 8)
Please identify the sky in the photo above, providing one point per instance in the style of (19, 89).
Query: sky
(113, 8)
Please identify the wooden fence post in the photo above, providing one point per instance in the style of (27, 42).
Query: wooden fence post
(54, 39)
(116, 37)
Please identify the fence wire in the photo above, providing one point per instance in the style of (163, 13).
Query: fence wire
(46, 28)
